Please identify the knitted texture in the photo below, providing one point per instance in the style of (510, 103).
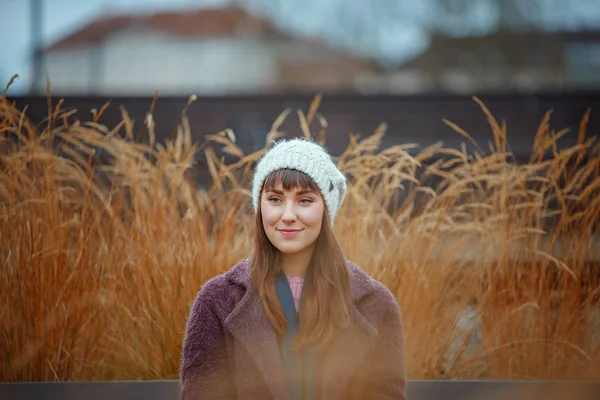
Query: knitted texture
(296, 283)
(307, 157)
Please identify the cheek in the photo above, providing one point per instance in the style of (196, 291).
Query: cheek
(313, 216)
(270, 215)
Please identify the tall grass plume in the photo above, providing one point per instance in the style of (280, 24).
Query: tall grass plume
(105, 243)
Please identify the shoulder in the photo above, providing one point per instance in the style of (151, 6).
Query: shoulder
(222, 292)
(367, 289)
(214, 289)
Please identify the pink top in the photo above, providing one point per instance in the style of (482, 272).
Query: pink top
(296, 286)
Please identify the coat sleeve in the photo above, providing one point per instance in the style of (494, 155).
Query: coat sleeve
(387, 372)
(205, 371)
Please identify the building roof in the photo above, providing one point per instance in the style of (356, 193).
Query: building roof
(204, 22)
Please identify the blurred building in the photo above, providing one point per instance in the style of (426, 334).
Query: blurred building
(502, 61)
(228, 50)
(209, 51)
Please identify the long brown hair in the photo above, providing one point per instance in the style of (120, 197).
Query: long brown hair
(326, 302)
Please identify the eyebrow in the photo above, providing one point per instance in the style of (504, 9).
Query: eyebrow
(298, 193)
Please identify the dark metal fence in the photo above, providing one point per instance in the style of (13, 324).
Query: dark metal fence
(411, 119)
(417, 390)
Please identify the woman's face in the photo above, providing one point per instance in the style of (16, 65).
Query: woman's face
(292, 219)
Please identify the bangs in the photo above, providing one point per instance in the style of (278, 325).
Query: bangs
(290, 179)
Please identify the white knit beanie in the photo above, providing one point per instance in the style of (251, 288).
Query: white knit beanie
(307, 157)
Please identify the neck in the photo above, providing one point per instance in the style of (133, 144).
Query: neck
(296, 264)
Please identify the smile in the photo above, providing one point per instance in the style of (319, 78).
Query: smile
(289, 232)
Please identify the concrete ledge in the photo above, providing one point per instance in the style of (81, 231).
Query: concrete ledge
(417, 390)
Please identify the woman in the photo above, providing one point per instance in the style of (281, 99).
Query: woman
(295, 320)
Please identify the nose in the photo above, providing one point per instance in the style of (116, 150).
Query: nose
(289, 214)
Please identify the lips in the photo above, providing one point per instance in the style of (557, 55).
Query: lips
(289, 232)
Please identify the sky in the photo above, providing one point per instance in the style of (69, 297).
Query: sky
(379, 29)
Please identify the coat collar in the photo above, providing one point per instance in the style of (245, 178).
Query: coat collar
(250, 326)
(361, 283)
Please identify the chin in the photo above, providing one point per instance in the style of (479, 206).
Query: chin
(289, 248)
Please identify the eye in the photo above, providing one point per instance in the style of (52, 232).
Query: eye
(273, 199)
(306, 201)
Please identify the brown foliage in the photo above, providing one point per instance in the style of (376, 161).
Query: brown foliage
(495, 266)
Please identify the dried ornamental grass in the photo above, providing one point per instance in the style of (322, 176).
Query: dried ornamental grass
(105, 244)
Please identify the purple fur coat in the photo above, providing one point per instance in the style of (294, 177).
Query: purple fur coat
(230, 350)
